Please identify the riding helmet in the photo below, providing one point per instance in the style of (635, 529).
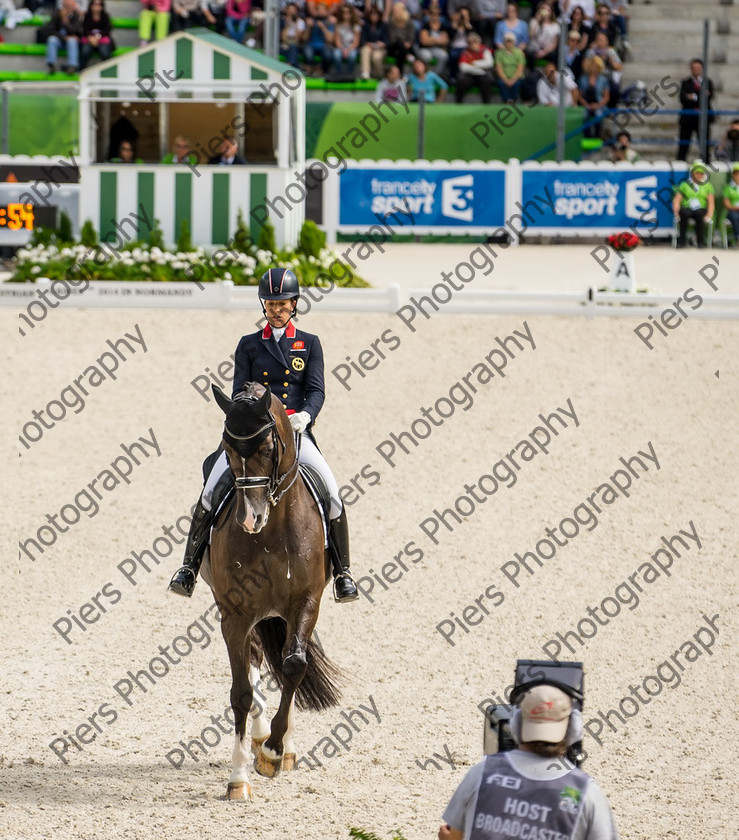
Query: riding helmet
(279, 284)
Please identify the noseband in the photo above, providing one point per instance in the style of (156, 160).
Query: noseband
(274, 481)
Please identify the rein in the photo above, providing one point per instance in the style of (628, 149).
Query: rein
(273, 481)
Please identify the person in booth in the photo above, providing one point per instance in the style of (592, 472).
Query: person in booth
(532, 791)
(290, 362)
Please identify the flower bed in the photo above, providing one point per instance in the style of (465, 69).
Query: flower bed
(52, 257)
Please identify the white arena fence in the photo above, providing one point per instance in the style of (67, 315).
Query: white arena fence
(226, 296)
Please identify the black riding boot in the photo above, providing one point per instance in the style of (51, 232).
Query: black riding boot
(184, 579)
(338, 546)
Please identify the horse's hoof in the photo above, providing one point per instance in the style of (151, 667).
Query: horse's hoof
(256, 743)
(266, 766)
(288, 761)
(238, 790)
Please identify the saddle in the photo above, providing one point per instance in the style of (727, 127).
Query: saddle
(318, 489)
(225, 490)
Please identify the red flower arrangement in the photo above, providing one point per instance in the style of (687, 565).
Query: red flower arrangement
(623, 241)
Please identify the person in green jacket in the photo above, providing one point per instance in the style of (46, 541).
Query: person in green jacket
(126, 153)
(182, 152)
(694, 199)
(731, 202)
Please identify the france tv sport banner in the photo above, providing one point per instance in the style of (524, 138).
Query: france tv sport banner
(598, 199)
(443, 198)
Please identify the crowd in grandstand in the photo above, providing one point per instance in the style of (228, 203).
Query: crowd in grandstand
(414, 49)
(490, 45)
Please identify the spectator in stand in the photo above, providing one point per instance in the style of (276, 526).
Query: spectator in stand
(401, 34)
(428, 6)
(313, 7)
(728, 149)
(543, 36)
(228, 155)
(292, 30)
(473, 6)
(425, 84)
(593, 94)
(587, 6)
(512, 23)
(695, 198)
(414, 10)
(690, 102)
(547, 88)
(182, 152)
(622, 150)
(510, 64)
(318, 36)
(185, 14)
(433, 42)
(611, 64)
(237, 19)
(581, 26)
(346, 40)
(606, 24)
(126, 153)
(491, 13)
(573, 57)
(475, 68)
(96, 37)
(619, 14)
(155, 15)
(214, 14)
(65, 29)
(392, 87)
(373, 50)
(460, 28)
(731, 202)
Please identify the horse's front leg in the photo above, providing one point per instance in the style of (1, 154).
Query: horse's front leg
(238, 642)
(280, 744)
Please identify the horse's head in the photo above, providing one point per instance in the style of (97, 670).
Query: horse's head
(255, 439)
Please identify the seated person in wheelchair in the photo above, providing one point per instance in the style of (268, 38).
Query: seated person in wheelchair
(694, 199)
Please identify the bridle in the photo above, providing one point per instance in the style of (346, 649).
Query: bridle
(274, 481)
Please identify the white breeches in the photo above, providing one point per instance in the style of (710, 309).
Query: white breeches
(309, 454)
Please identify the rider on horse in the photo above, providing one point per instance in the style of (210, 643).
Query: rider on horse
(290, 362)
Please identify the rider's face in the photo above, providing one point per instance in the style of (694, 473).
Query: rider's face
(279, 312)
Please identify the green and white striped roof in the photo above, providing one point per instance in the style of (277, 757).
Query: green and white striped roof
(195, 64)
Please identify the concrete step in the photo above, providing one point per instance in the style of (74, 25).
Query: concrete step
(123, 8)
(692, 11)
(28, 63)
(646, 26)
(724, 76)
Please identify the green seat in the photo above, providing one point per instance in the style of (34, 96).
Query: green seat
(591, 144)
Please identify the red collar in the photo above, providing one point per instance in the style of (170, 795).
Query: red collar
(289, 331)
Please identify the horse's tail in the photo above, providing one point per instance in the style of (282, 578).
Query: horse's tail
(318, 690)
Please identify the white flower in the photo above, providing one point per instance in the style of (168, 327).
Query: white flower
(35, 269)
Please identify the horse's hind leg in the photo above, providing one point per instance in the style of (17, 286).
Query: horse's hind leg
(238, 643)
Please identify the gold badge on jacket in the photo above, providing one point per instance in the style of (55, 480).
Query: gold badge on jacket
(298, 363)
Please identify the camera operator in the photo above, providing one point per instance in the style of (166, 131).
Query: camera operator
(728, 149)
(622, 150)
(533, 791)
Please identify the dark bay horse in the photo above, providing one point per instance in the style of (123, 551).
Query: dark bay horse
(268, 569)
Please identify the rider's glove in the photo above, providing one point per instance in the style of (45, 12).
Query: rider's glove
(300, 421)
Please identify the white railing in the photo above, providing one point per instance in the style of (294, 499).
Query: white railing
(227, 296)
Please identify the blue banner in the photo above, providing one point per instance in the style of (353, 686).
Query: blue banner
(428, 197)
(618, 200)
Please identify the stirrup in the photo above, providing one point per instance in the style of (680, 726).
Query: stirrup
(183, 582)
(348, 584)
